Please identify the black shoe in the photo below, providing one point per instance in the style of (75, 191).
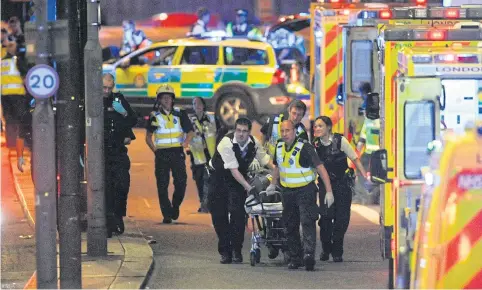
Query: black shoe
(309, 262)
(324, 256)
(337, 259)
(293, 265)
(120, 225)
(175, 212)
(238, 257)
(167, 221)
(226, 259)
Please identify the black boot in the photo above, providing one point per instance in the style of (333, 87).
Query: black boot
(324, 256)
(238, 257)
(309, 262)
(226, 259)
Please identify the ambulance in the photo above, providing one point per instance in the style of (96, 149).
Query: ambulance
(327, 52)
(424, 73)
(448, 244)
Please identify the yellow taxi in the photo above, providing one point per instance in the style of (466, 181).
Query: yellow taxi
(236, 76)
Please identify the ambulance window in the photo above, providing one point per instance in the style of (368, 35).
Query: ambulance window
(245, 56)
(419, 130)
(200, 55)
(361, 63)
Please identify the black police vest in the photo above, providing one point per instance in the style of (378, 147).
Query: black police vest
(335, 160)
(114, 127)
(243, 162)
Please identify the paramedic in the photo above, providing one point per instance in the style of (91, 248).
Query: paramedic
(172, 130)
(201, 24)
(241, 27)
(271, 130)
(296, 164)
(369, 139)
(119, 118)
(235, 152)
(202, 146)
(333, 150)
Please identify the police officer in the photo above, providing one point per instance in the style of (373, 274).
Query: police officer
(370, 140)
(333, 150)
(17, 35)
(296, 164)
(235, 152)
(14, 100)
(271, 130)
(201, 24)
(119, 119)
(202, 146)
(241, 27)
(172, 130)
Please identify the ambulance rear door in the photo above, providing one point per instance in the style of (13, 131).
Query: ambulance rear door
(359, 59)
(417, 115)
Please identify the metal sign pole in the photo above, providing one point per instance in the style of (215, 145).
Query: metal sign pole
(43, 133)
(94, 124)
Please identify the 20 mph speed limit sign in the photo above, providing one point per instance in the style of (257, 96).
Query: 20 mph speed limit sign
(42, 81)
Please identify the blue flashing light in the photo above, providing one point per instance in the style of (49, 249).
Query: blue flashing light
(367, 14)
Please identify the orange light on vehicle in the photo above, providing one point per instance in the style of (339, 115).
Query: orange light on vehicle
(452, 13)
(386, 14)
(421, 2)
(436, 35)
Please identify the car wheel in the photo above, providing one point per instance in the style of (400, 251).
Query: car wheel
(232, 106)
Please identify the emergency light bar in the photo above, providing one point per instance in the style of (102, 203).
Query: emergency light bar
(422, 34)
(446, 58)
(438, 13)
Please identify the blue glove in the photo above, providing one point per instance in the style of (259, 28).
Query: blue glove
(118, 107)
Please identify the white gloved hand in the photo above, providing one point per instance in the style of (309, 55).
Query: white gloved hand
(329, 199)
(20, 163)
(254, 166)
(271, 190)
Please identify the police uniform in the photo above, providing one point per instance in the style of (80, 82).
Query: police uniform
(334, 220)
(245, 29)
(297, 171)
(14, 100)
(117, 163)
(202, 148)
(169, 129)
(272, 131)
(227, 196)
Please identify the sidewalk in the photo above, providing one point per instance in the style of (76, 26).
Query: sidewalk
(129, 259)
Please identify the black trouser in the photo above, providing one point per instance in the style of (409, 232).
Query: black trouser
(334, 221)
(226, 204)
(13, 108)
(167, 160)
(198, 174)
(117, 181)
(299, 206)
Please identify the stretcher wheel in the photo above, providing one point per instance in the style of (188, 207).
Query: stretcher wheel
(252, 258)
(258, 256)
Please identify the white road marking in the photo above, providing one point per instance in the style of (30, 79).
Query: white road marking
(146, 203)
(368, 213)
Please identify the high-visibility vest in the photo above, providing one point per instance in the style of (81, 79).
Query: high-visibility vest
(169, 131)
(276, 133)
(371, 134)
(12, 82)
(205, 138)
(292, 174)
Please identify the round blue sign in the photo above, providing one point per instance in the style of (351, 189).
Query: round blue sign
(42, 81)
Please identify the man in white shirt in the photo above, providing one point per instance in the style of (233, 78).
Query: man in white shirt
(200, 26)
(235, 152)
